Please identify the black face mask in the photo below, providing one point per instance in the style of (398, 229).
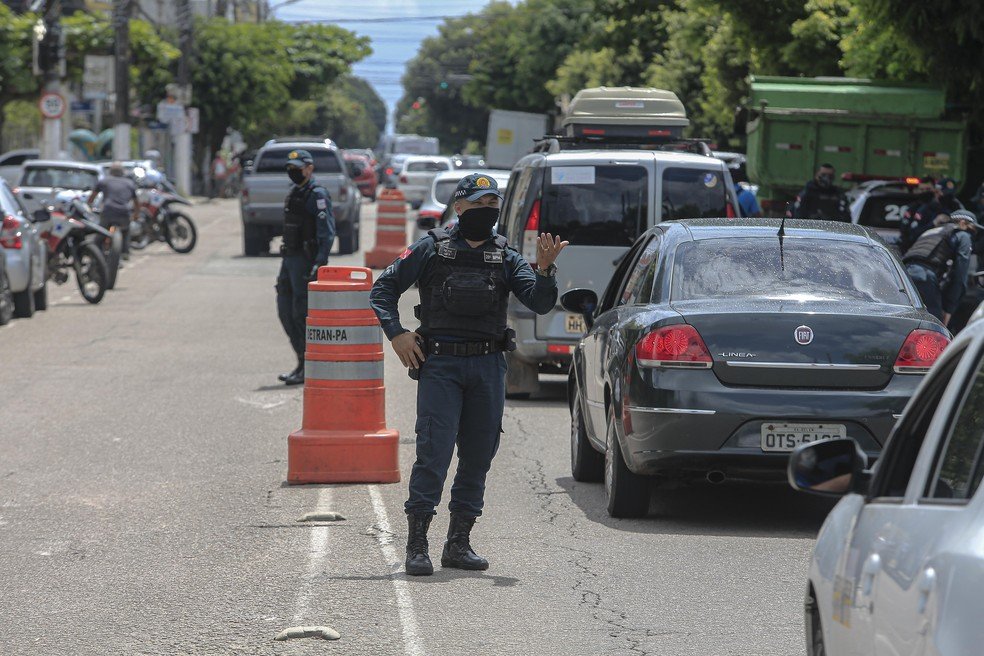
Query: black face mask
(296, 175)
(825, 180)
(476, 224)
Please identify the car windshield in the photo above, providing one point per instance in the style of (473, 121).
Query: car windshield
(418, 167)
(60, 177)
(595, 205)
(804, 269)
(274, 160)
(693, 194)
(443, 190)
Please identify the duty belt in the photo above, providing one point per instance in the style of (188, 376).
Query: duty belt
(484, 347)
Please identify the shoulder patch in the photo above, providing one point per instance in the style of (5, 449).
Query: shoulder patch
(322, 203)
(405, 254)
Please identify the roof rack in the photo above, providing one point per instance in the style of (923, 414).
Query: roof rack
(555, 143)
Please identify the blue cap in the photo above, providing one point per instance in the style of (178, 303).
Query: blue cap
(299, 158)
(474, 186)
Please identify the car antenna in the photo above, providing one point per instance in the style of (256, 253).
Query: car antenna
(782, 235)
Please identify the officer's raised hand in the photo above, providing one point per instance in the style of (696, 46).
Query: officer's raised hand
(547, 249)
(407, 346)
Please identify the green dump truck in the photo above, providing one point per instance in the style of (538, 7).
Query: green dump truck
(866, 129)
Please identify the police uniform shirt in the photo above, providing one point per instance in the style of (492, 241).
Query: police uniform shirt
(318, 205)
(538, 293)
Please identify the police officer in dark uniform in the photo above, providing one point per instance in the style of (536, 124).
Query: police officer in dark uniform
(915, 223)
(309, 230)
(820, 199)
(465, 276)
(939, 260)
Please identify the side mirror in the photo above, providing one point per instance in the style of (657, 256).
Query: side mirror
(581, 301)
(828, 468)
(41, 215)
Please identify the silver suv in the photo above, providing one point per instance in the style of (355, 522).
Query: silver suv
(600, 198)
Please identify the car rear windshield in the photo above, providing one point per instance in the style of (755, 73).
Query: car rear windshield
(595, 205)
(693, 194)
(443, 190)
(803, 269)
(275, 161)
(427, 166)
(64, 178)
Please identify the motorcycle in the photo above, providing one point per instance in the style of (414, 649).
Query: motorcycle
(71, 247)
(161, 220)
(109, 240)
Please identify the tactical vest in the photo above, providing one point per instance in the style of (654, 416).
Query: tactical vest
(933, 248)
(300, 228)
(463, 292)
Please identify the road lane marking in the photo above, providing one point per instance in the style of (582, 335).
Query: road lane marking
(404, 603)
(317, 553)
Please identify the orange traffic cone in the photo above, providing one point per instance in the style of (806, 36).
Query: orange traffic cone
(391, 229)
(343, 438)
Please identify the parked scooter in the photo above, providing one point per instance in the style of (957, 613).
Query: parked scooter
(160, 218)
(109, 240)
(71, 247)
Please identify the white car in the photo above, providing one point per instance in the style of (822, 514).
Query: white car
(12, 161)
(429, 215)
(898, 568)
(41, 178)
(417, 175)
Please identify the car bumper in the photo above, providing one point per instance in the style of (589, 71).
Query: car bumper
(533, 350)
(273, 215)
(678, 421)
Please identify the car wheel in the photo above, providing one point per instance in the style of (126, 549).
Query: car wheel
(24, 304)
(587, 465)
(347, 241)
(41, 298)
(256, 241)
(814, 627)
(627, 493)
(6, 300)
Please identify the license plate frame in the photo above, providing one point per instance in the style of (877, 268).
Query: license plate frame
(784, 437)
(574, 324)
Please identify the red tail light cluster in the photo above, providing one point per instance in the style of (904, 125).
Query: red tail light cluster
(531, 232)
(919, 351)
(10, 233)
(677, 346)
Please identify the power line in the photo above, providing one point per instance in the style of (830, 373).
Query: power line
(386, 19)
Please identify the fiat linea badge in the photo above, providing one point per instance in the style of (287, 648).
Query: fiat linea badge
(803, 335)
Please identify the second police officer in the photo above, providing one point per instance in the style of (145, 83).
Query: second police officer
(465, 276)
(309, 230)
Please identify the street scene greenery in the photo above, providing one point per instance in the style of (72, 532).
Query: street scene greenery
(530, 55)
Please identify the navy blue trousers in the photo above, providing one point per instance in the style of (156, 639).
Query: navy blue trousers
(459, 402)
(292, 302)
(928, 286)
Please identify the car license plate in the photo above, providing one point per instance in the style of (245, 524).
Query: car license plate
(575, 324)
(786, 437)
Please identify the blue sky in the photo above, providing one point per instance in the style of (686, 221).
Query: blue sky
(396, 28)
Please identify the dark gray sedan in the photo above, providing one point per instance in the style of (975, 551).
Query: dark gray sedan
(721, 345)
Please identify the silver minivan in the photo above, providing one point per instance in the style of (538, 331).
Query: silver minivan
(599, 200)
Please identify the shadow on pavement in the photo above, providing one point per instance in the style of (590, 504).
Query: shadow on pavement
(439, 576)
(730, 509)
(551, 391)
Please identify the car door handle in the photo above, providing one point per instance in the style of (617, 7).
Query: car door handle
(871, 568)
(927, 582)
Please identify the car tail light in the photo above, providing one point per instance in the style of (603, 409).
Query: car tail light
(560, 349)
(389, 171)
(10, 233)
(403, 179)
(430, 214)
(919, 351)
(531, 232)
(673, 346)
(729, 211)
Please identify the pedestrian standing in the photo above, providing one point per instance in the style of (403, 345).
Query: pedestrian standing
(219, 172)
(119, 203)
(939, 261)
(465, 276)
(821, 199)
(309, 230)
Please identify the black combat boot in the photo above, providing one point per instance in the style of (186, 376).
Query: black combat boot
(298, 371)
(418, 560)
(457, 550)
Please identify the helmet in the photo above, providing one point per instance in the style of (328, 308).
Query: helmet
(63, 200)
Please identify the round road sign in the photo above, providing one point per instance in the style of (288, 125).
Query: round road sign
(52, 105)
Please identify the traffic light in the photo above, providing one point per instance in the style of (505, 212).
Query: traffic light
(50, 48)
(416, 104)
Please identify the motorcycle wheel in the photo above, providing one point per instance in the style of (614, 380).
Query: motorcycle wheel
(138, 233)
(180, 232)
(112, 254)
(90, 272)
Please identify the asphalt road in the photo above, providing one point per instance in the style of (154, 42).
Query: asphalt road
(143, 508)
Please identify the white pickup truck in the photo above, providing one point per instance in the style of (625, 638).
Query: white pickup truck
(265, 187)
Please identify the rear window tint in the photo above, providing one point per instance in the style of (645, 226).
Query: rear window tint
(427, 166)
(806, 269)
(64, 178)
(595, 205)
(443, 190)
(275, 161)
(886, 211)
(693, 194)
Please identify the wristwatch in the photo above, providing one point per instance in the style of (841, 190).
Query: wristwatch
(549, 272)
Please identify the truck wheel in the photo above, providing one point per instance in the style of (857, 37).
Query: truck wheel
(522, 378)
(256, 240)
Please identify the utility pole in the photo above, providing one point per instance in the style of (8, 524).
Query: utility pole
(50, 63)
(182, 137)
(121, 131)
